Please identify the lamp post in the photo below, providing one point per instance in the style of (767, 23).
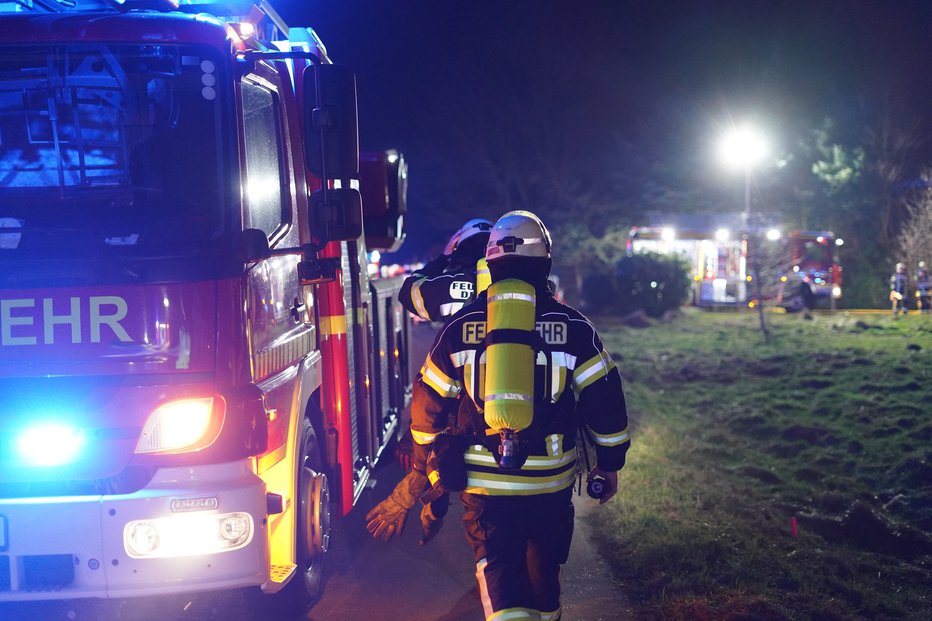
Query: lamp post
(744, 147)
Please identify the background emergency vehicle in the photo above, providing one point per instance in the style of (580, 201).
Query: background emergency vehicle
(195, 368)
(719, 252)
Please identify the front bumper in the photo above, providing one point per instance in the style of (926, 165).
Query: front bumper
(73, 547)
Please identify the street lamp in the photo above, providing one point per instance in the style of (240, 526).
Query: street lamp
(744, 147)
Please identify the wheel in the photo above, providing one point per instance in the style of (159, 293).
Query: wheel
(313, 529)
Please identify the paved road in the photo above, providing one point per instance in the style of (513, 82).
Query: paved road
(401, 581)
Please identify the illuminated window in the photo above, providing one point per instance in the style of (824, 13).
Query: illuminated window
(263, 183)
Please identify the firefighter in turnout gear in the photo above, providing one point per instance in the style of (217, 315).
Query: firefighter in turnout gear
(451, 281)
(445, 285)
(923, 288)
(898, 284)
(520, 373)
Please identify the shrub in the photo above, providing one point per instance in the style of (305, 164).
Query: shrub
(598, 293)
(651, 282)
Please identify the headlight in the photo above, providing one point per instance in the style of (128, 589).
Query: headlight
(182, 426)
(190, 534)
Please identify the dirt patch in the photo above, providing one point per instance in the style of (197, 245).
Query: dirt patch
(916, 473)
(762, 475)
(771, 367)
(786, 451)
(816, 383)
(889, 388)
(924, 434)
(808, 474)
(832, 502)
(863, 527)
(811, 434)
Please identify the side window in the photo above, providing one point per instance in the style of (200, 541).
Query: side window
(264, 198)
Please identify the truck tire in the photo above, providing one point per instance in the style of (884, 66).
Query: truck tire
(312, 528)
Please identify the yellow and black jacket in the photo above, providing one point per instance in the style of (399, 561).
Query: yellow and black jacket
(442, 287)
(576, 384)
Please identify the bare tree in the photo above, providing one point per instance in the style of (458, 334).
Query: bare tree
(914, 243)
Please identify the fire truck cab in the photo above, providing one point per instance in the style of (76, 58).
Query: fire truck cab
(195, 367)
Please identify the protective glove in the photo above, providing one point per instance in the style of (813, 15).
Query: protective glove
(387, 519)
(432, 515)
(404, 451)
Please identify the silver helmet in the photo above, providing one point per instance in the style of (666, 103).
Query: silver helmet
(518, 234)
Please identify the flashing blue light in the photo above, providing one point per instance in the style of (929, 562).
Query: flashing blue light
(49, 444)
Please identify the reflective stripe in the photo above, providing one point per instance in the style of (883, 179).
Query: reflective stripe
(483, 587)
(593, 369)
(478, 455)
(558, 374)
(433, 476)
(438, 380)
(460, 358)
(507, 396)
(554, 444)
(333, 324)
(418, 298)
(512, 296)
(613, 439)
(450, 308)
(551, 616)
(423, 438)
(514, 614)
(504, 485)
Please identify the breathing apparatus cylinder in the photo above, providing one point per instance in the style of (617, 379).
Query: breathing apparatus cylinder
(509, 364)
(483, 277)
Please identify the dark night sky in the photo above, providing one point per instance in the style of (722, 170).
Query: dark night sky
(424, 67)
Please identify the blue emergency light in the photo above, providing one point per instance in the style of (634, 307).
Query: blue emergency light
(49, 444)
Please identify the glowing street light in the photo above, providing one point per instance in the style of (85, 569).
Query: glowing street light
(743, 148)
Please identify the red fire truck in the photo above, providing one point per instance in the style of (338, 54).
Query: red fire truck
(194, 365)
(815, 254)
(719, 261)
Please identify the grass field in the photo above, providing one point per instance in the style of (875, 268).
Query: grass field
(781, 480)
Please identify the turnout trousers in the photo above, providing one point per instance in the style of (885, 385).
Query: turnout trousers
(520, 544)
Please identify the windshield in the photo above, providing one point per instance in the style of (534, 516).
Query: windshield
(109, 150)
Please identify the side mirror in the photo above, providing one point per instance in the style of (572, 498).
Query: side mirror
(336, 214)
(254, 246)
(383, 183)
(331, 135)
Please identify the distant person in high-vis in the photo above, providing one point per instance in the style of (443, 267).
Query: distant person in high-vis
(451, 281)
(521, 374)
(898, 284)
(923, 288)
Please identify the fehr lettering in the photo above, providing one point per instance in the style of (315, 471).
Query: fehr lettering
(553, 332)
(15, 324)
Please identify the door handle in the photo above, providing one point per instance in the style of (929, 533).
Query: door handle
(297, 310)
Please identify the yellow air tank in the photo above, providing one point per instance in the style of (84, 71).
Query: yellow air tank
(483, 277)
(509, 361)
